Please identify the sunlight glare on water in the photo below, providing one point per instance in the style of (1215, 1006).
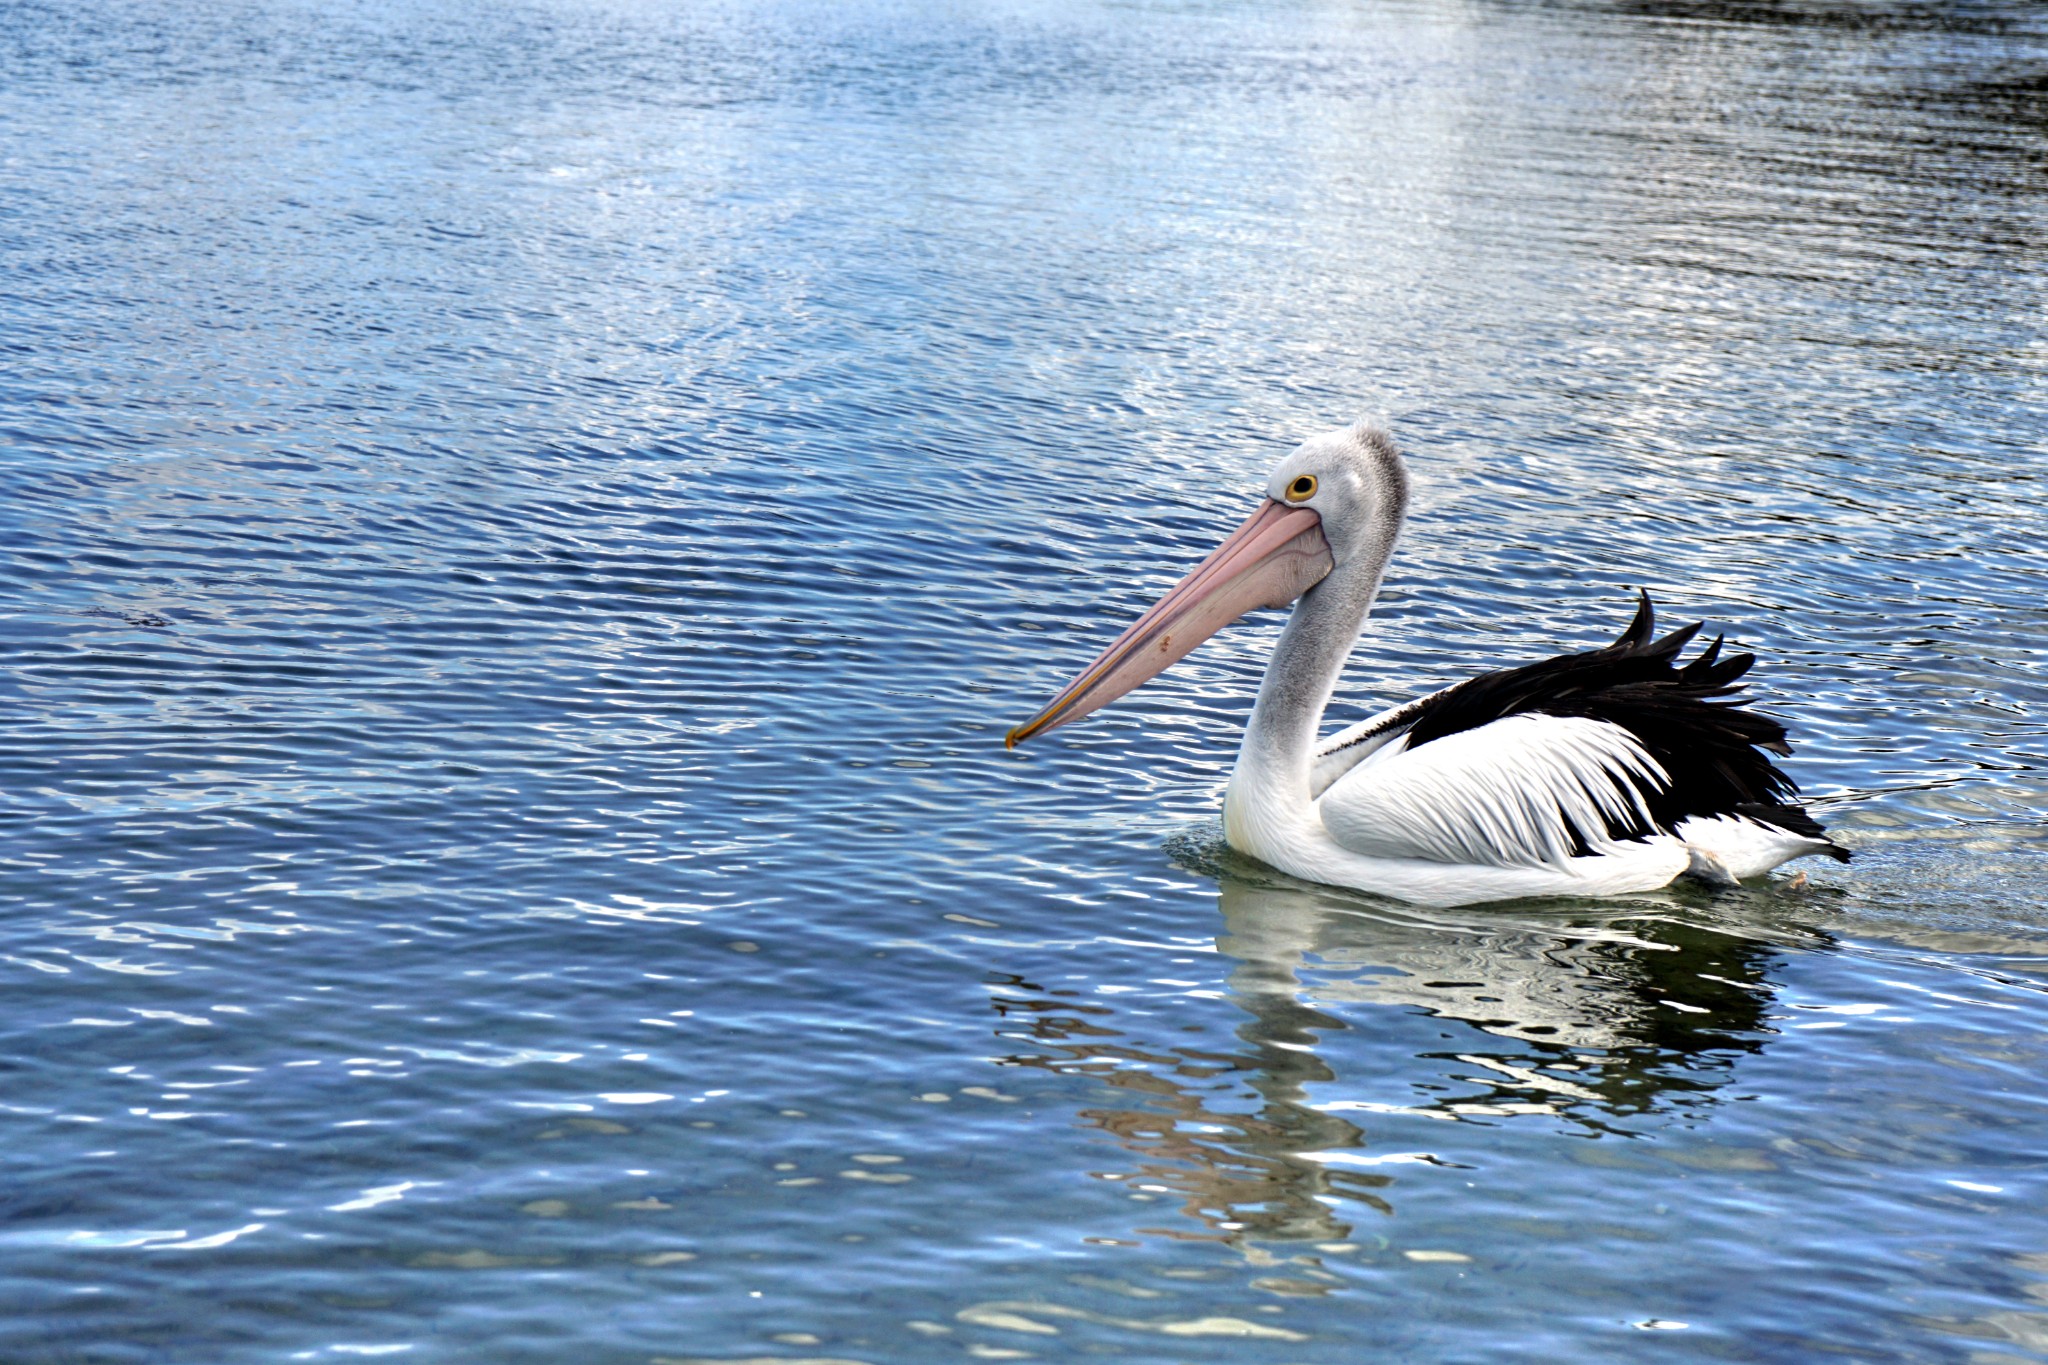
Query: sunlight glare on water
(527, 524)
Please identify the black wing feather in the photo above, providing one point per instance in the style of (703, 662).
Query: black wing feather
(1712, 747)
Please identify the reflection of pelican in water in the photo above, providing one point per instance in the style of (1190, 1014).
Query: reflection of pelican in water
(1594, 1014)
(1615, 1009)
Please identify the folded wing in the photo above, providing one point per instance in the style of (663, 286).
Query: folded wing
(1520, 792)
(1574, 753)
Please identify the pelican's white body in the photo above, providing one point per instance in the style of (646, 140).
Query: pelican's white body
(1480, 816)
(1483, 814)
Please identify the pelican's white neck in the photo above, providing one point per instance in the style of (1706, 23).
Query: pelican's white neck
(1269, 787)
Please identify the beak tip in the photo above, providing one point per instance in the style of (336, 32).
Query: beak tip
(1030, 729)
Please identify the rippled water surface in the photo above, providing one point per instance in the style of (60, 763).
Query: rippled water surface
(525, 524)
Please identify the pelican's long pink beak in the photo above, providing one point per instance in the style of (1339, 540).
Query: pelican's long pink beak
(1275, 557)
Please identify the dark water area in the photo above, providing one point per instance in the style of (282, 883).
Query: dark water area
(524, 526)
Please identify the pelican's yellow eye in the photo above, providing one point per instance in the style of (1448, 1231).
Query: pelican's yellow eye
(1302, 489)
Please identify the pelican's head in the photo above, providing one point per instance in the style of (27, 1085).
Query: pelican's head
(1353, 480)
(1335, 503)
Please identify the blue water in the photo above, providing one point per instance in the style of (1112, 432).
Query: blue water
(524, 526)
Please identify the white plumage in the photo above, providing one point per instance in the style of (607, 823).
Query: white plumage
(1515, 793)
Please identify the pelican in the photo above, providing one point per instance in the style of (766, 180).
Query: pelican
(1601, 773)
